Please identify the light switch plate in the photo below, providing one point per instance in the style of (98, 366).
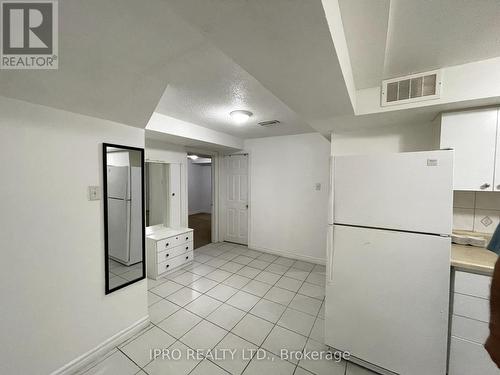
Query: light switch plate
(317, 186)
(94, 193)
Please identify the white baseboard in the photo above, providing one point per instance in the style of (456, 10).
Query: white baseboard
(101, 349)
(287, 254)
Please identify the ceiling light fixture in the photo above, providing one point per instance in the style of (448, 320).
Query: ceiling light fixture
(193, 157)
(240, 116)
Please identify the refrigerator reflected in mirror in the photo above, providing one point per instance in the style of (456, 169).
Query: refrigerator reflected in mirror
(124, 224)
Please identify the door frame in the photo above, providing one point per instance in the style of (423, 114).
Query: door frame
(222, 227)
(215, 170)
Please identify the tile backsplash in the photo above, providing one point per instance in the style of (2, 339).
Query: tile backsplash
(476, 211)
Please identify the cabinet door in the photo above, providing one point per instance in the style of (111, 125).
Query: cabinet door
(472, 134)
(468, 358)
(174, 207)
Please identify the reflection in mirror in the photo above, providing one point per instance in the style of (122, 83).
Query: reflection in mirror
(124, 215)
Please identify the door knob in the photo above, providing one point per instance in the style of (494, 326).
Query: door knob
(485, 186)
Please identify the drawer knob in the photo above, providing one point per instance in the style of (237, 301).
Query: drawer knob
(168, 265)
(166, 255)
(187, 247)
(485, 186)
(173, 194)
(187, 257)
(187, 238)
(166, 244)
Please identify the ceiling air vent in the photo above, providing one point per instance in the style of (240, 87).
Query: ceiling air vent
(269, 123)
(412, 88)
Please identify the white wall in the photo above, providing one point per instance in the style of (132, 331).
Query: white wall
(53, 304)
(199, 188)
(402, 138)
(287, 214)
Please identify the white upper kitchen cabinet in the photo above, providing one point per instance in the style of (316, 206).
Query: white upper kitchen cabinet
(473, 136)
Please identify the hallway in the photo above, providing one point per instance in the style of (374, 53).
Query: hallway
(202, 225)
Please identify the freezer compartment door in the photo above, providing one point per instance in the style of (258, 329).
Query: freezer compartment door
(410, 191)
(118, 182)
(387, 296)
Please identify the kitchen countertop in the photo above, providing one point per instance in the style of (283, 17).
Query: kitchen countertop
(473, 259)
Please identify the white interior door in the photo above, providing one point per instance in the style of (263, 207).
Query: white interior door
(236, 198)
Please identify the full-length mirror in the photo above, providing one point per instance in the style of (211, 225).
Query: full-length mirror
(124, 221)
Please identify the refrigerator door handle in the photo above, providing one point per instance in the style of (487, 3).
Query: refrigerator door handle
(329, 255)
(331, 192)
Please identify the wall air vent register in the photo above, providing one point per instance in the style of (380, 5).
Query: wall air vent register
(412, 88)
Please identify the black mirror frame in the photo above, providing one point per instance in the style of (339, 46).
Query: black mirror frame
(105, 205)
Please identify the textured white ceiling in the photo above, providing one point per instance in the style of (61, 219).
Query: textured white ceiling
(119, 57)
(390, 38)
(204, 58)
(113, 60)
(365, 25)
(430, 34)
(205, 85)
(285, 44)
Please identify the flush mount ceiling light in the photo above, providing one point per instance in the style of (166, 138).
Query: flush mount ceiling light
(240, 116)
(193, 157)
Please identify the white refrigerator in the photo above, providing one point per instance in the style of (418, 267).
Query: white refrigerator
(124, 214)
(388, 260)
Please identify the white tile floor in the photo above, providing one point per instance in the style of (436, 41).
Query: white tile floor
(230, 297)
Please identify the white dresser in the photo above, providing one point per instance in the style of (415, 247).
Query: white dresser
(167, 249)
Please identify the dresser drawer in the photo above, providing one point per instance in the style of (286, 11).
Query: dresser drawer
(472, 284)
(471, 307)
(175, 251)
(175, 262)
(167, 243)
(186, 237)
(469, 329)
(174, 241)
(469, 358)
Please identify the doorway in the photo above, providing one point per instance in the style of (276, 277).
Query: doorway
(200, 198)
(236, 198)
